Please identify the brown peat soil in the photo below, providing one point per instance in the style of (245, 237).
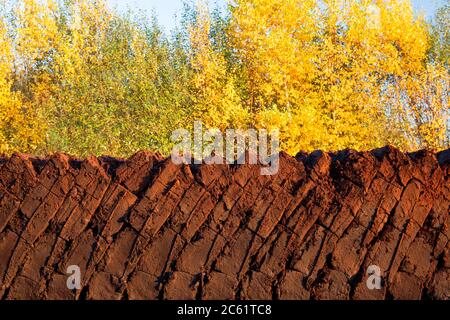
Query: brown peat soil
(144, 228)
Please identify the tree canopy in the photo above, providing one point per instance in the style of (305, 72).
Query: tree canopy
(79, 77)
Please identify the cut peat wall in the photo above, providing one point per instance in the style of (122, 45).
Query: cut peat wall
(145, 228)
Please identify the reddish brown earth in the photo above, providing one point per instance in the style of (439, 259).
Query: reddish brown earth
(144, 228)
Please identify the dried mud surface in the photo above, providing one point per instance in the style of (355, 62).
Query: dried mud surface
(144, 228)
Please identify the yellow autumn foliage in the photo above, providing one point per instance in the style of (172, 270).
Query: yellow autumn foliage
(79, 77)
(215, 100)
(319, 71)
(20, 127)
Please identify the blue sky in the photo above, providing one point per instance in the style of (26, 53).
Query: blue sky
(167, 9)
